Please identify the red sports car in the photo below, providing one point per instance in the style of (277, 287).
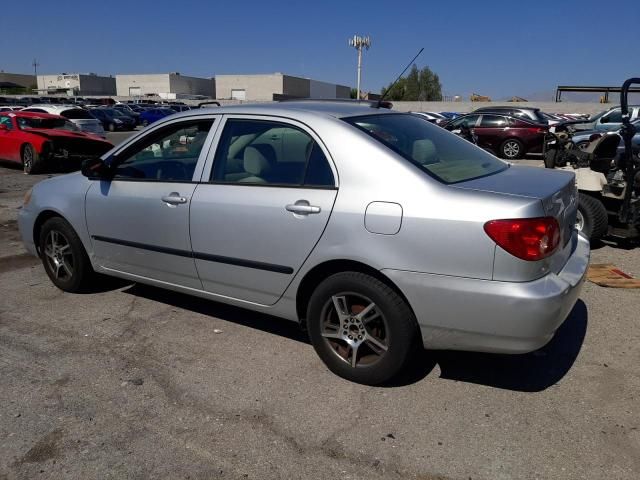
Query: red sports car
(38, 139)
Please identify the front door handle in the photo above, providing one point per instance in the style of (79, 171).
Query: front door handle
(174, 198)
(302, 207)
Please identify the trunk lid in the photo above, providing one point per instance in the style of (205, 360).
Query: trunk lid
(555, 189)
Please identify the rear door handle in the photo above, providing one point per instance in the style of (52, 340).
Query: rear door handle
(174, 198)
(302, 207)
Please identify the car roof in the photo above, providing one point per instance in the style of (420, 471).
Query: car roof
(506, 107)
(53, 108)
(326, 108)
(20, 113)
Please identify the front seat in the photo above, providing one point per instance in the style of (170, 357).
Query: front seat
(256, 165)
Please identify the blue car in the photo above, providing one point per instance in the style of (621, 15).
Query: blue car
(153, 114)
(450, 115)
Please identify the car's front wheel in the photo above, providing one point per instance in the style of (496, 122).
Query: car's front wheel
(31, 161)
(512, 149)
(64, 257)
(361, 328)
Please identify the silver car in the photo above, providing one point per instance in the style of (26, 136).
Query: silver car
(375, 229)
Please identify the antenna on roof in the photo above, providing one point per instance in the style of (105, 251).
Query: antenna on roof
(399, 76)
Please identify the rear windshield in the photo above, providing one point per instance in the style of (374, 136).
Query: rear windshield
(441, 154)
(77, 114)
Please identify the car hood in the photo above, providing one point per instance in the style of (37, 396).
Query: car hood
(52, 133)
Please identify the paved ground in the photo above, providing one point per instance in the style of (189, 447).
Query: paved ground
(135, 382)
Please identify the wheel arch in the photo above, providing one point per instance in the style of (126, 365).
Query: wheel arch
(324, 270)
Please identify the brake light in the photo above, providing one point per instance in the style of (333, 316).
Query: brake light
(526, 238)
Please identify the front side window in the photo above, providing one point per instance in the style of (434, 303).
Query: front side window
(614, 117)
(442, 155)
(272, 153)
(468, 121)
(168, 154)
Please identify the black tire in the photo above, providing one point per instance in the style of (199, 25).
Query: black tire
(593, 219)
(111, 127)
(583, 145)
(512, 149)
(400, 335)
(31, 160)
(79, 275)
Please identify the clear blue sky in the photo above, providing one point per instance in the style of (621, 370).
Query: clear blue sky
(498, 48)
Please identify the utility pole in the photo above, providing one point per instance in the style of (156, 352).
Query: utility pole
(35, 70)
(359, 43)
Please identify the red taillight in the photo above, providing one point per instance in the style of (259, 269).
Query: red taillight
(526, 238)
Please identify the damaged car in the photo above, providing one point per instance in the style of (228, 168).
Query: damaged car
(38, 140)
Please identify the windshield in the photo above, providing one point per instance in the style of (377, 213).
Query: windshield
(47, 123)
(441, 154)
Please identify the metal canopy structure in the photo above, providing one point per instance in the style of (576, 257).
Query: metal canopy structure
(590, 89)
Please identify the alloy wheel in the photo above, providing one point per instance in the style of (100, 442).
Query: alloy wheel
(355, 329)
(579, 221)
(27, 159)
(58, 255)
(511, 149)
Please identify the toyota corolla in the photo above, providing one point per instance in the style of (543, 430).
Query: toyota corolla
(377, 230)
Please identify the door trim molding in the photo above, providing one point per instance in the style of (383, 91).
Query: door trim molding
(239, 262)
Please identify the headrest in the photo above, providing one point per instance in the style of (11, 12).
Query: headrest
(424, 151)
(255, 162)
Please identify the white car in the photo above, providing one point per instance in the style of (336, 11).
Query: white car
(83, 119)
(10, 108)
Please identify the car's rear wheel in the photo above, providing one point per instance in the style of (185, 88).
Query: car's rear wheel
(361, 328)
(512, 149)
(592, 218)
(64, 257)
(31, 161)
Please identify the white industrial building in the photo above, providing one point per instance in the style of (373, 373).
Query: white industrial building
(275, 86)
(76, 84)
(165, 85)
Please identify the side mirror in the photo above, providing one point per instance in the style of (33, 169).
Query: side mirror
(95, 169)
(604, 119)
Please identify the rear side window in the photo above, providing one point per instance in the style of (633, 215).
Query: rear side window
(270, 153)
(4, 120)
(493, 121)
(439, 153)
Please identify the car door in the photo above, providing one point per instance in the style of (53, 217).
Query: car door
(258, 214)
(9, 138)
(610, 121)
(139, 220)
(491, 131)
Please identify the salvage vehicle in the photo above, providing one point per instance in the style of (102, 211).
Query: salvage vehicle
(83, 119)
(363, 224)
(508, 137)
(112, 120)
(607, 174)
(37, 140)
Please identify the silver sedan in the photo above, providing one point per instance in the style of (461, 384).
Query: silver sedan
(375, 229)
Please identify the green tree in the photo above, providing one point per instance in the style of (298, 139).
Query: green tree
(353, 93)
(417, 85)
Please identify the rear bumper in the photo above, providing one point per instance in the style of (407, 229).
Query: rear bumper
(457, 313)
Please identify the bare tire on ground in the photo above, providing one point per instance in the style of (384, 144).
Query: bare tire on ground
(512, 149)
(592, 218)
(64, 257)
(362, 329)
(31, 161)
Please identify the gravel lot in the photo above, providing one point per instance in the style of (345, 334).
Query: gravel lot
(135, 382)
